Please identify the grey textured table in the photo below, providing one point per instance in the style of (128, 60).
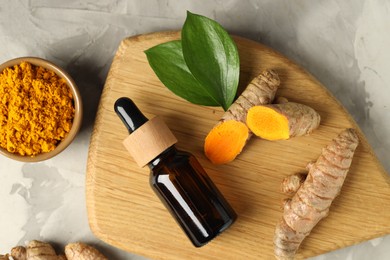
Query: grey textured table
(344, 44)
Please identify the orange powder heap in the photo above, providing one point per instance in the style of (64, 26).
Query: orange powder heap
(36, 109)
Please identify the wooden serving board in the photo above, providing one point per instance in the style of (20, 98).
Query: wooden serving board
(124, 211)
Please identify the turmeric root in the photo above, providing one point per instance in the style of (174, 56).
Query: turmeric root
(311, 202)
(81, 251)
(227, 139)
(19, 253)
(291, 183)
(282, 121)
(37, 250)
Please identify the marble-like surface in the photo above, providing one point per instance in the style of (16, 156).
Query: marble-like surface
(344, 44)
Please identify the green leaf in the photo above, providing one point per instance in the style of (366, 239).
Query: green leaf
(168, 63)
(212, 57)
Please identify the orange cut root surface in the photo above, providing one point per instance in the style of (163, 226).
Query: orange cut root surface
(225, 141)
(267, 123)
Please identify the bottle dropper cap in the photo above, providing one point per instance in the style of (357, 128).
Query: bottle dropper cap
(148, 138)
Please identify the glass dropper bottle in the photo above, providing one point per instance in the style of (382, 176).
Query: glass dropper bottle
(176, 176)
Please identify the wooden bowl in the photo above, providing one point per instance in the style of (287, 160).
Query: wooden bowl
(77, 104)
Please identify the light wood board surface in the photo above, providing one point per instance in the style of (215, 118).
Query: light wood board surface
(124, 211)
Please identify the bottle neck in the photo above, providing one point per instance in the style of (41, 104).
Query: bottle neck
(161, 157)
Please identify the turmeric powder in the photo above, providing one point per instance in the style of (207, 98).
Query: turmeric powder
(36, 109)
(227, 139)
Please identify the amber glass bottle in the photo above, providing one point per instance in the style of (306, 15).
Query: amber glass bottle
(181, 183)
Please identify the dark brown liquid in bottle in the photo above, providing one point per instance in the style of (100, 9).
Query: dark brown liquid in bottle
(183, 185)
(190, 195)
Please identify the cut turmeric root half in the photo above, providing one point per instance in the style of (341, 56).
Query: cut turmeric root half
(225, 141)
(282, 121)
(229, 136)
